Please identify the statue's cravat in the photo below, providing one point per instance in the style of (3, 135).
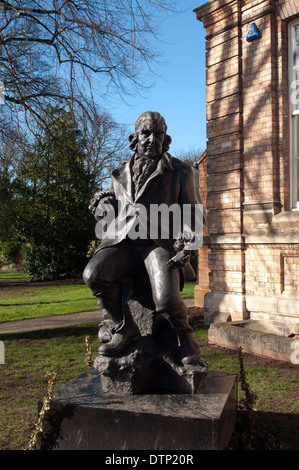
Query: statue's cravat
(142, 168)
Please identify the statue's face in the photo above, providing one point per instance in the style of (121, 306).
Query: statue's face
(151, 135)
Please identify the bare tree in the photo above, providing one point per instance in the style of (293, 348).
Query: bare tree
(189, 156)
(10, 151)
(106, 146)
(62, 50)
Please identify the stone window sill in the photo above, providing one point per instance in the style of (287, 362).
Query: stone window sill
(287, 216)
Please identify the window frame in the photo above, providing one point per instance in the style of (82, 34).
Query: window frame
(294, 116)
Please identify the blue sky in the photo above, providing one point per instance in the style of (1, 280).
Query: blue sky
(180, 96)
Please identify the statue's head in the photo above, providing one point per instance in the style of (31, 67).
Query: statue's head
(150, 139)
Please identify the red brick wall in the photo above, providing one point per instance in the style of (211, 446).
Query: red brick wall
(253, 236)
(202, 286)
(224, 149)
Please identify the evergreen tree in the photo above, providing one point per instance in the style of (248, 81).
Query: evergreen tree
(54, 222)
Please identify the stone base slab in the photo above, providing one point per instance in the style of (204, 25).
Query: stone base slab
(82, 417)
(223, 306)
(280, 313)
(254, 337)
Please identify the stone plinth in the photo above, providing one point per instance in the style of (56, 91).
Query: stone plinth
(144, 367)
(152, 363)
(83, 417)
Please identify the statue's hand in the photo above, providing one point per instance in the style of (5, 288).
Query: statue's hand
(94, 202)
(102, 198)
(106, 205)
(180, 259)
(183, 240)
(183, 255)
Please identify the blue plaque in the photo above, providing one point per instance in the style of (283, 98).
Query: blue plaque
(253, 33)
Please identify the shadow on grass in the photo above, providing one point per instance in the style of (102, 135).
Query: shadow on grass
(284, 426)
(90, 329)
(48, 302)
(267, 431)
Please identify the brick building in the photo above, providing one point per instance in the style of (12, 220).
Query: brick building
(249, 174)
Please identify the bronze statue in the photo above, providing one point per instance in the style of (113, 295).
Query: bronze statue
(149, 178)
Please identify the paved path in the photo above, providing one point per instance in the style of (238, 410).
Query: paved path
(56, 321)
(44, 323)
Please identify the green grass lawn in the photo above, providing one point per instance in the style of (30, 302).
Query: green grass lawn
(188, 291)
(18, 302)
(13, 276)
(29, 356)
(31, 301)
(265, 379)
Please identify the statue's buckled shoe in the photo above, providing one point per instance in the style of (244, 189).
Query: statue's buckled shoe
(189, 350)
(191, 359)
(120, 339)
